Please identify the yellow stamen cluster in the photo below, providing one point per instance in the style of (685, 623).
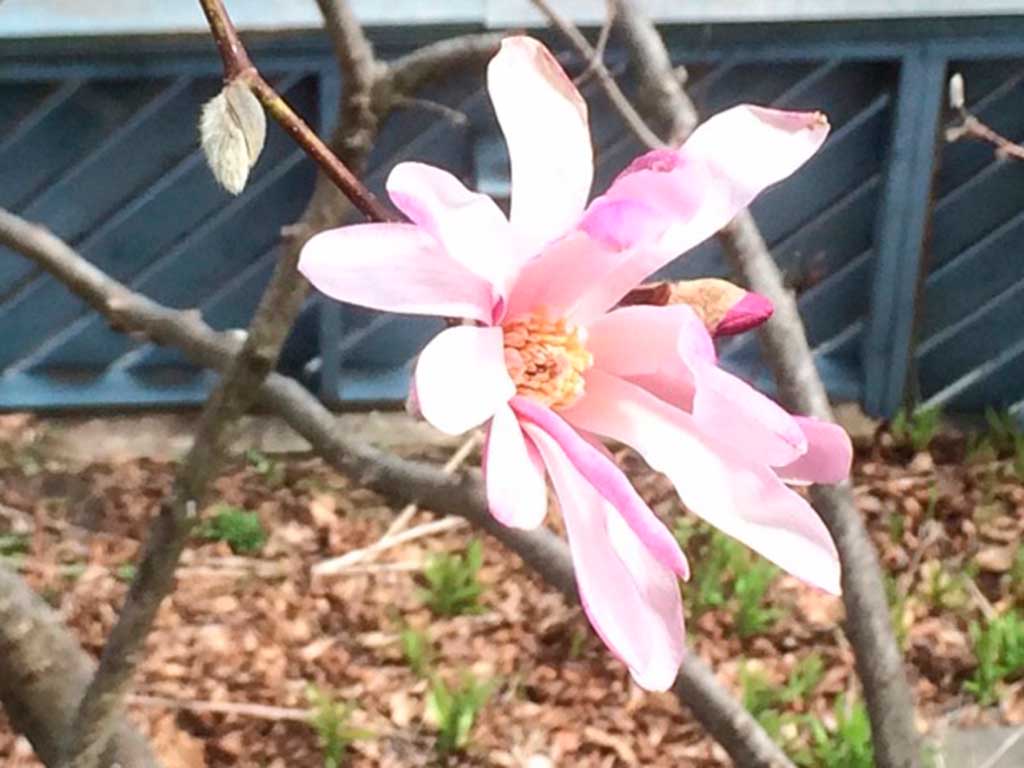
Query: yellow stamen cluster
(546, 359)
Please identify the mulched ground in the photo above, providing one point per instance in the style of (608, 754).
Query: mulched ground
(227, 676)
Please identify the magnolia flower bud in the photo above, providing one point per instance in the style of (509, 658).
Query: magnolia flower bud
(232, 128)
(725, 308)
(956, 91)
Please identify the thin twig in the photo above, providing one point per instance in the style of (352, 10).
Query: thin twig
(599, 47)
(615, 95)
(450, 467)
(452, 115)
(1008, 743)
(398, 480)
(242, 709)
(984, 604)
(340, 564)
(973, 128)
(393, 536)
(238, 66)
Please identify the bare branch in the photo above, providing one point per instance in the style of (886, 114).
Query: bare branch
(674, 114)
(360, 72)
(452, 115)
(399, 480)
(409, 73)
(868, 625)
(352, 48)
(238, 66)
(972, 127)
(615, 95)
(43, 672)
(235, 392)
(603, 35)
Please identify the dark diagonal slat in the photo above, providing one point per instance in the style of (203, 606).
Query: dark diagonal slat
(973, 277)
(125, 246)
(25, 124)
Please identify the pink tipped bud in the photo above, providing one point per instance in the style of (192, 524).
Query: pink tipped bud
(749, 312)
(725, 308)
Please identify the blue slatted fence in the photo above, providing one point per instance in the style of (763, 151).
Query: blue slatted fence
(102, 147)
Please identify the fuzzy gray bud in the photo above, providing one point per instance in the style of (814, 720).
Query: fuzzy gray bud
(232, 128)
(956, 91)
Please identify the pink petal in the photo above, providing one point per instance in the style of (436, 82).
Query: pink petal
(631, 599)
(603, 474)
(749, 312)
(756, 425)
(394, 268)
(828, 457)
(517, 491)
(656, 365)
(715, 480)
(612, 338)
(461, 380)
(551, 281)
(470, 227)
(701, 186)
(678, 356)
(570, 269)
(544, 120)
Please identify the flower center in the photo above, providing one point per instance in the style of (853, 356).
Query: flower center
(546, 359)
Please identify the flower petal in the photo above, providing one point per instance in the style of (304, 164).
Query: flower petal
(517, 491)
(395, 268)
(742, 498)
(544, 120)
(603, 474)
(758, 426)
(701, 186)
(828, 457)
(470, 227)
(656, 365)
(461, 380)
(570, 269)
(612, 338)
(631, 599)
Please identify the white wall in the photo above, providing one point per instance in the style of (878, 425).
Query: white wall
(28, 18)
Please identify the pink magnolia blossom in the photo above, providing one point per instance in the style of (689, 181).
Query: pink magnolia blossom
(548, 362)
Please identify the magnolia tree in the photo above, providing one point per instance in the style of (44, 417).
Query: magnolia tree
(544, 308)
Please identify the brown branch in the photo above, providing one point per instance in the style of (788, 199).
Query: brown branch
(615, 95)
(399, 480)
(233, 395)
(238, 66)
(603, 35)
(661, 96)
(868, 626)
(973, 128)
(407, 74)
(43, 672)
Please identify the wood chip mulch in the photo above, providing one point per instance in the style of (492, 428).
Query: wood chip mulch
(236, 648)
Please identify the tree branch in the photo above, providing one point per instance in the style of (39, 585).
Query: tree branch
(972, 127)
(233, 395)
(43, 672)
(238, 66)
(879, 662)
(407, 74)
(399, 480)
(615, 95)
